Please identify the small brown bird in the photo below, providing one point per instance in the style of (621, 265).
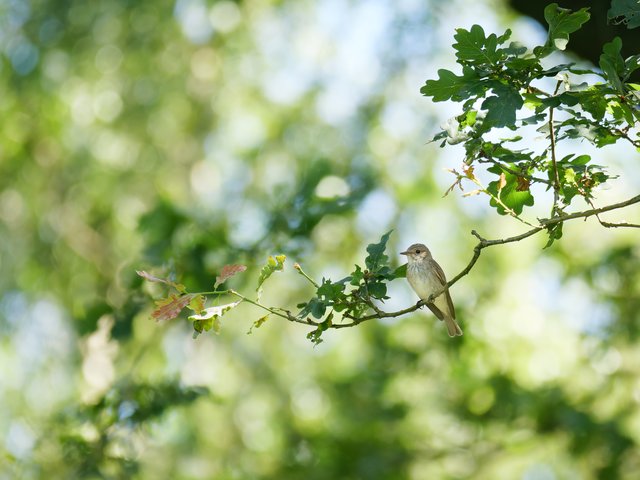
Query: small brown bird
(426, 278)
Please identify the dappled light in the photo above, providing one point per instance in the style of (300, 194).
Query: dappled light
(202, 209)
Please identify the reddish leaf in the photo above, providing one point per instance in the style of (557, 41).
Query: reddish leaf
(169, 308)
(227, 272)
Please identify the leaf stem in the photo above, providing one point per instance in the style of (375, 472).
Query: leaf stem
(303, 273)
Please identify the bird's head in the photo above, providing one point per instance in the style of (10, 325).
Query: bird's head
(417, 252)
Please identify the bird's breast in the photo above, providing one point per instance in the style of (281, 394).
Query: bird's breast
(423, 280)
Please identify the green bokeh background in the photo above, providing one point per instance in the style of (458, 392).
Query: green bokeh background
(177, 137)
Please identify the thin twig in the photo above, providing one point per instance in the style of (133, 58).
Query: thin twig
(503, 167)
(609, 224)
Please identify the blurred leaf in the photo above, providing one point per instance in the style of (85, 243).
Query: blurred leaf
(625, 11)
(227, 272)
(169, 308)
(258, 323)
(210, 318)
(274, 264)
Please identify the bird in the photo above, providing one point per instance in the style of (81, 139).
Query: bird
(426, 277)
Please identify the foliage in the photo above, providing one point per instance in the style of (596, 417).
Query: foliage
(351, 296)
(501, 79)
(183, 136)
(625, 11)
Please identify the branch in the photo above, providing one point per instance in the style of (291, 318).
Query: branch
(484, 243)
(487, 159)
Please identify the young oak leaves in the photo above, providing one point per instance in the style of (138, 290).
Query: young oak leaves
(203, 319)
(352, 297)
(500, 79)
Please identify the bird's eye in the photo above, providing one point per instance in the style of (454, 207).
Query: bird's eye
(417, 250)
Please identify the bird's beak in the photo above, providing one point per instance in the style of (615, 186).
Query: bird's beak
(405, 253)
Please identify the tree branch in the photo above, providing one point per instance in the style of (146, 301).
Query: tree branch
(484, 243)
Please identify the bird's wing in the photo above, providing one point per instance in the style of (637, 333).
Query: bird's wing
(443, 280)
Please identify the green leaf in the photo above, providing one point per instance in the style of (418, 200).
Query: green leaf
(400, 272)
(566, 98)
(317, 307)
(274, 264)
(581, 160)
(197, 303)
(501, 107)
(316, 335)
(612, 63)
(555, 233)
(631, 64)
(377, 290)
(593, 101)
(451, 86)
(473, 47)
(562, 22)
(377, 257)
(210, 317)
(509, 193)
(258, 323)
(356, 276)
(625, 11)
(330, 291)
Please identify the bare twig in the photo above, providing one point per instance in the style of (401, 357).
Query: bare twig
(609, 224)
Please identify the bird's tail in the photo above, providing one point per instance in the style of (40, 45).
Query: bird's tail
(452, 327)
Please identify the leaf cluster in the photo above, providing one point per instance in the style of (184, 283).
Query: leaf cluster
(354, 295)
(501, 89)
